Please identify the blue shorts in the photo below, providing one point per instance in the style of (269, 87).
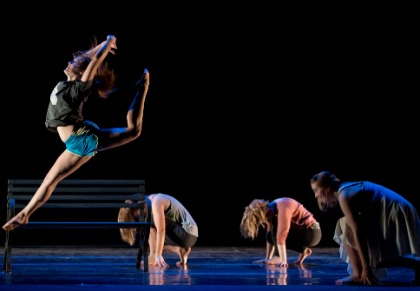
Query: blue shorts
(83, 141)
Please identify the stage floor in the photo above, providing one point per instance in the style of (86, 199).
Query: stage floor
(209, 268)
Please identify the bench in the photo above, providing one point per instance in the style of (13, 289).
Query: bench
(80, 196)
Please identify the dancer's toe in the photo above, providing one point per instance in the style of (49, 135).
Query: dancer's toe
(144, 80)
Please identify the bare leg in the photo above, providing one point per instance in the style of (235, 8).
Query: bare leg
(181, 252)
(114, 137)
(356, 265)
(173, 249)
(302, 256)
(152, 247)
(184, 256)
(65, 165)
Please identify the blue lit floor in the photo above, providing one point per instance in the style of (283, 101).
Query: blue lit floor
(219, 268)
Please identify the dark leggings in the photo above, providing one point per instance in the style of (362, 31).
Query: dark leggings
(299, 238)
(177, 236)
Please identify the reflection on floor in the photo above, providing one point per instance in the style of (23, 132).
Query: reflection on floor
(221, 267)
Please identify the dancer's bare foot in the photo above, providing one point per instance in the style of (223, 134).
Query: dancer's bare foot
(151, 260)
(350, 280)
(144, 80)
(183, 254)
(302, 256)
(15, 222)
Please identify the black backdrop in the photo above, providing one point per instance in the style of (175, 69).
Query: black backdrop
(245, 102)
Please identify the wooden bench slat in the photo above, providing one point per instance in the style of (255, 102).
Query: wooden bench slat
(82, 194)
(83, 224)
(77, 205)
(79, 181)
(16, 190)
(56, 197)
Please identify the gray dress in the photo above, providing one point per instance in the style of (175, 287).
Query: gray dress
(391, 222)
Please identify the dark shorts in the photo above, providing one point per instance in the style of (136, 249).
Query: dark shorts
(83, 141)
(299, 237)
(177, 236)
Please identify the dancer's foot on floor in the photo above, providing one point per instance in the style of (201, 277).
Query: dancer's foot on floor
(350, 280)
(183, 254)
(302, 256)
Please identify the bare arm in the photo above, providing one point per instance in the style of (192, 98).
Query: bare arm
(270, 259)
(159, 204)
(284, 217)
(98, 55)
(283, 256)
(91, 53)
(359, 238)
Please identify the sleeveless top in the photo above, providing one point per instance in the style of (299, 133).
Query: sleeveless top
(180, 215)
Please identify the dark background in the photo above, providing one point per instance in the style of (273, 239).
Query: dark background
(245, 101)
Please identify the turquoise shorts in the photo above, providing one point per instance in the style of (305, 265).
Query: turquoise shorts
(83, 141)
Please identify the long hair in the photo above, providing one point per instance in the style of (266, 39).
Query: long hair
(253, 217)
(328, 183)
(128, 235)
(105, 77)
